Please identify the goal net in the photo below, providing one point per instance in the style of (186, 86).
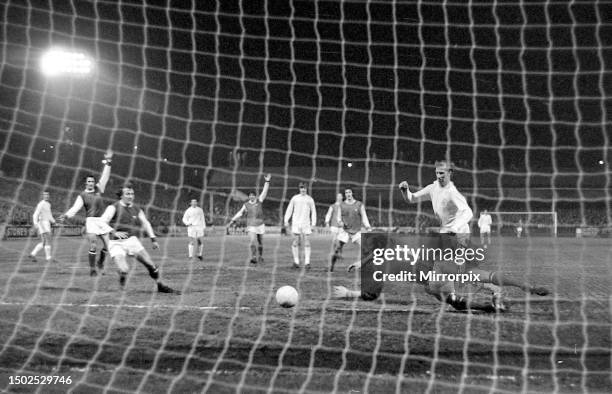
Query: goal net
(199, 100)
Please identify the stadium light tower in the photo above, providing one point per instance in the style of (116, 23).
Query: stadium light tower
(57, 61)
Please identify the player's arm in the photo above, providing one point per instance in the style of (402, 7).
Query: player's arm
(464, 212)
(481, 221)
(36, 215)
(76, 207)
(264, 192)
(105, 172)
(421, 195)
(313, 213)
(238, 214)
(186, 218)
(148, 228)
(289, 211)
(364, 218)
(328, 215)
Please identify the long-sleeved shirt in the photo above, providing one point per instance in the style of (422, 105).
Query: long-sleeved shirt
(301, 210)
(448, 204)
(92, 201)
(42, 213)
(194, 216)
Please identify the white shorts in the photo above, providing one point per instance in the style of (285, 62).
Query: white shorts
(259, 230)
(343, 236)
(43, 227)
(95, 225)
(123, 247)
(301, 229)
(195, 232)
(485, 230)
(334, 229)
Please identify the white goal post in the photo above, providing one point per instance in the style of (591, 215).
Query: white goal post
(531, 220)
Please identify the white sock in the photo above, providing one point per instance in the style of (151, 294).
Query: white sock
(48, 252)
(307, 255)
(296, 254)
(201, 249)
(190, 249)
(37, 249)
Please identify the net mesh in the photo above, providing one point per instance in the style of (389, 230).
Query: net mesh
(199, 100)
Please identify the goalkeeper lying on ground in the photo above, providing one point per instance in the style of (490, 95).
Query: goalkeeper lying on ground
(443, 290)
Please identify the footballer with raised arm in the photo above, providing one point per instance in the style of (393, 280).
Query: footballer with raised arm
(91, 200)
(256, 227)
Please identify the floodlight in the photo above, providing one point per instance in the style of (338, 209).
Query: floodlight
(61, 62)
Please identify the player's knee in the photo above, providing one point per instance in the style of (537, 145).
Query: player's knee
(93, 248)
(296, 242)
(307, 244)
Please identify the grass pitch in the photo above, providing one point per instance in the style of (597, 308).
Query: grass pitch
(227, 334)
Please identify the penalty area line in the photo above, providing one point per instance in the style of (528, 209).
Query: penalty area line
(130, 306)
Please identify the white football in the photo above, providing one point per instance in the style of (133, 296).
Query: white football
(287, 296)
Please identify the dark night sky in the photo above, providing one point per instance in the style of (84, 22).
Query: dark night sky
(297, 82)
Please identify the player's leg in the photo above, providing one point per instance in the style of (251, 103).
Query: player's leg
(91, 255)
(500, 279)
(118, 256)
(260, 248)
(191, 247)
(144, 258)
(104, 251)
(295, 248)
(307, 250)
(200, 247)
(253, 246)
(37, 248)
(47, 245)
(343, 238)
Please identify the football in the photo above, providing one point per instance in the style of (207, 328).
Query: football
(287, 296)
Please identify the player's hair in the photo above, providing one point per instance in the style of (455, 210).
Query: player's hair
(126, 185)
(445, 163)
(90, 176)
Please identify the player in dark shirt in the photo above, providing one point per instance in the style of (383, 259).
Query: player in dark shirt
(126, 220)
(91, 200)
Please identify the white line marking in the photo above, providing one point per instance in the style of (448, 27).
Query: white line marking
(156, 306)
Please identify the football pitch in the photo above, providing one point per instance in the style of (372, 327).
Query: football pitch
(226, 333)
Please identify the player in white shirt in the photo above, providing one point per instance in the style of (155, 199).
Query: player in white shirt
(42, 220)
(195, 221)
(333, 220)
(256, 227)
(302, 213)
(519, 228)
(484, 224)
(454, 214)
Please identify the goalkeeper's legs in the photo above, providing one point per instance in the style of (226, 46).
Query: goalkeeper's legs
(499, 279)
